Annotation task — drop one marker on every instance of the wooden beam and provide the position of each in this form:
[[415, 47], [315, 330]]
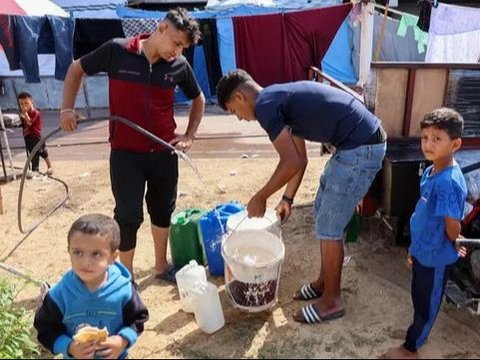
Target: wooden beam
[[409, 102]]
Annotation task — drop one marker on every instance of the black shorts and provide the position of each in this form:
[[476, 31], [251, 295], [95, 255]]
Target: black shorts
[[129, 173]]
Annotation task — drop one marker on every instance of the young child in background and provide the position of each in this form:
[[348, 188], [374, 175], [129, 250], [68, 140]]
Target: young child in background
[[435, 225], [96, 292], [32, 131]]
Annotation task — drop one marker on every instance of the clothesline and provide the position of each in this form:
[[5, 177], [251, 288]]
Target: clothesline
[[382, 7]]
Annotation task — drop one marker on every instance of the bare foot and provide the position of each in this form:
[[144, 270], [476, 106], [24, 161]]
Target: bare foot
[[399, 353]]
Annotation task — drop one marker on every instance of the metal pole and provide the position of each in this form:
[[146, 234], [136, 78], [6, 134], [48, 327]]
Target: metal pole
[[4, 133], [1, 202]]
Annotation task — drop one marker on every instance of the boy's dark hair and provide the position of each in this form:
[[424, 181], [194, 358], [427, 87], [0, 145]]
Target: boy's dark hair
[[444, 119], [181, 19], [97, 224], [24, 95], [228, 83]]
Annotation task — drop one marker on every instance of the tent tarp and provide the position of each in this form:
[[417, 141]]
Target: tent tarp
[[280, 4], [91, 9], [31, 8]]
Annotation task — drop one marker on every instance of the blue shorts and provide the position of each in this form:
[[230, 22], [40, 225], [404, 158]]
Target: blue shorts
[[345, 181]]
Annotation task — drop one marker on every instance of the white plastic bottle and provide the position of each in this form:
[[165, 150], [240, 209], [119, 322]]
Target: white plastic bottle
[[187, 277], [208, 309]]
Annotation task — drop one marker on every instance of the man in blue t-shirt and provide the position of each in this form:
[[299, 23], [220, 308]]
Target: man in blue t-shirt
[[435, 225], [306, 110]]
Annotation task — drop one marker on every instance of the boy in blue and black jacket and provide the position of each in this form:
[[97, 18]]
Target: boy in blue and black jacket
[[96, 292]]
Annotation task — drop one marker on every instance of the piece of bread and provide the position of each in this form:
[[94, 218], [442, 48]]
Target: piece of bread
[[90, 333]]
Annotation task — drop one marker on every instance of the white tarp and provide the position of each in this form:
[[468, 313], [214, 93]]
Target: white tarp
[[91, 9], [284, 4], [40, 8]]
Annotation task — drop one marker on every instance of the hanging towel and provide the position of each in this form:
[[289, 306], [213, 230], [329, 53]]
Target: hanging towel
[[420, 36], [29, 30], [454, 35]]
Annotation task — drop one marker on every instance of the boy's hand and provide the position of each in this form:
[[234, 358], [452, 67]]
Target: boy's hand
[[284, 209], [85, 350], [112, 348], [26, 118], [409, 261], [462, 251]]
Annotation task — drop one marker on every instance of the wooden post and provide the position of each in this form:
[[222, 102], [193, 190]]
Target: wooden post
[[366, 43]]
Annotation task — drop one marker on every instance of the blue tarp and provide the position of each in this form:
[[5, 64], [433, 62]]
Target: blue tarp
[[337, 62]]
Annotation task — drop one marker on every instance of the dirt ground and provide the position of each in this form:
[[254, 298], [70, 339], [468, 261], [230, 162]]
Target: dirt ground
[[375, 281]]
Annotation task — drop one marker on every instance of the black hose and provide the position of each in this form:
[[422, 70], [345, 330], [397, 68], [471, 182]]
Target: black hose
[[124, 121]]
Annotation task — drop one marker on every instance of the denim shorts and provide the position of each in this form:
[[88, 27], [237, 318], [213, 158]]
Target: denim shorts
[[345, 181]]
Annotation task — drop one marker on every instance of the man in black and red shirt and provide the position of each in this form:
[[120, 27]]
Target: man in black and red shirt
[[143, 73]]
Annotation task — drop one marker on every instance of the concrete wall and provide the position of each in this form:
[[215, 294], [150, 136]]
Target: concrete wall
[[48, 93]]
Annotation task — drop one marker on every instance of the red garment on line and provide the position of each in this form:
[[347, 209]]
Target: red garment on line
[[279, 48]]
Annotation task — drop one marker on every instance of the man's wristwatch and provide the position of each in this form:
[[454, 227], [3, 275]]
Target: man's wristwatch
[[287, 199]]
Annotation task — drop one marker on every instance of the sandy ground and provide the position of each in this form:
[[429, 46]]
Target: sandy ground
[[375, 282]]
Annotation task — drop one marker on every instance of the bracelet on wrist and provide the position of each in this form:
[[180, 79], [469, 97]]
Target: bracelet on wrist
[[287, 199], [67, 110]]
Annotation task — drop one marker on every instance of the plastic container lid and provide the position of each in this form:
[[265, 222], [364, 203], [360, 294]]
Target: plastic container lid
[[240, 221]]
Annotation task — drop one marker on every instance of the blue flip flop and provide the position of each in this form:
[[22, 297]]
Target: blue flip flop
[[168, 275]]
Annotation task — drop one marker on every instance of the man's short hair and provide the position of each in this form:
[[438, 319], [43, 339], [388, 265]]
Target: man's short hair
[[444, 119], [228, 83], [97, 224], [181, 19], [24, 95]]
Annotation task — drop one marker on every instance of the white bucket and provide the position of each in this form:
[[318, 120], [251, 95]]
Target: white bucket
[[253, 262], [240, 221]]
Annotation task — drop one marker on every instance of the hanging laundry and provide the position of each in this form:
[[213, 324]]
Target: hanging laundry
[[420, 36], [454, 35], [425, 12], [7, 41], [29, 32]]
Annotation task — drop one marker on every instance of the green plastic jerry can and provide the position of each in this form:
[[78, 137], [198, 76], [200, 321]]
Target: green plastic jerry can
[[185, 244]]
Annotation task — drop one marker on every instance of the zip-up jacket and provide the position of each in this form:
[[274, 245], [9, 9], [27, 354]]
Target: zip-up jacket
[[69, 306], [141, 92], [35, 129]]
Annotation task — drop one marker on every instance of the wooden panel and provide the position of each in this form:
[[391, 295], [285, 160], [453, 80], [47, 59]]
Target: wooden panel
[[390, 99], [428, 94]]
